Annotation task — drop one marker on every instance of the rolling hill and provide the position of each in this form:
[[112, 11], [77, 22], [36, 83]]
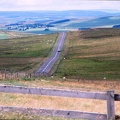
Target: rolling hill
[[108, 21]]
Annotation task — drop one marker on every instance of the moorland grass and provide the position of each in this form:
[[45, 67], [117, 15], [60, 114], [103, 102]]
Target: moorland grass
[[34, 46], [92, 54], [27, 52]]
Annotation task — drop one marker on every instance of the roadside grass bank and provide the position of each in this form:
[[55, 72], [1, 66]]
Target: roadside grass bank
[[92, 54]]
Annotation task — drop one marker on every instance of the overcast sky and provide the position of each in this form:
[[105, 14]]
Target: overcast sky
[[22, 5]]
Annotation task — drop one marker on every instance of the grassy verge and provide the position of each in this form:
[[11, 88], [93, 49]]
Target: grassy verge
[[93, 54]]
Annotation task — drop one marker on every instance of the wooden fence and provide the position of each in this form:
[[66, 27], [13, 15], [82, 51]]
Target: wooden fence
[[109, 96], [8, 74]]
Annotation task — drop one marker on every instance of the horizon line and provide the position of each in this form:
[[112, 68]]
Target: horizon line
[[61, 10]]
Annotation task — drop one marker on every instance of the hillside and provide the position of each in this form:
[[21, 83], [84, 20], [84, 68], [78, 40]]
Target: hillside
[[92, 54], [25, 53], [107, 21]]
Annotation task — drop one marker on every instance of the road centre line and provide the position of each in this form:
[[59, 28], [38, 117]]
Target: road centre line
[[55, 54]]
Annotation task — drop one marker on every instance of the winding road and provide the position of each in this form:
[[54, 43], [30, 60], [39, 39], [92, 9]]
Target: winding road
[[48, 64]]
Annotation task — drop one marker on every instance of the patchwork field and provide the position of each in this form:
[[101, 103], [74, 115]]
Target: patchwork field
[[92, 54]]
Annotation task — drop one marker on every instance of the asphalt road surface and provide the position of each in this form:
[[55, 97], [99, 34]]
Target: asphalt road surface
[[48, 64]]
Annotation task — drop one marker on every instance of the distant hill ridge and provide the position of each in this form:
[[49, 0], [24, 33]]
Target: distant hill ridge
[[98, 22]]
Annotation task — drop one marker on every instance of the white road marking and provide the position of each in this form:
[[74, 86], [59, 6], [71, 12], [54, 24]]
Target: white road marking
[[55, 54]]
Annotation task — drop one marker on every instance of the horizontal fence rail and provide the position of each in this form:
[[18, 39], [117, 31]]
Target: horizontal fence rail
[[53, 92], [56, 113], [109, 96]]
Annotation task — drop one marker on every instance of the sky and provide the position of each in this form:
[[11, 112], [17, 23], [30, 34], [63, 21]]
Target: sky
[[28, 5]]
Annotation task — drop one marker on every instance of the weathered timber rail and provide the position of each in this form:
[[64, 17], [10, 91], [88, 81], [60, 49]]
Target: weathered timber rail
[[109, 96]]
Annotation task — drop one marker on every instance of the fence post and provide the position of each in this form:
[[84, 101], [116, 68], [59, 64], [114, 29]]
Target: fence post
[[30, 75], [5, 73], [110, 105]]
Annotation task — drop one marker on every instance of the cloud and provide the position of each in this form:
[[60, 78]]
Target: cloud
[[21, 5]]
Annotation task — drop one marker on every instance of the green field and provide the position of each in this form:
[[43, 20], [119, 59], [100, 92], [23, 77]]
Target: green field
[[92, 54], [11, 34], [3, 36], [26, 52]]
